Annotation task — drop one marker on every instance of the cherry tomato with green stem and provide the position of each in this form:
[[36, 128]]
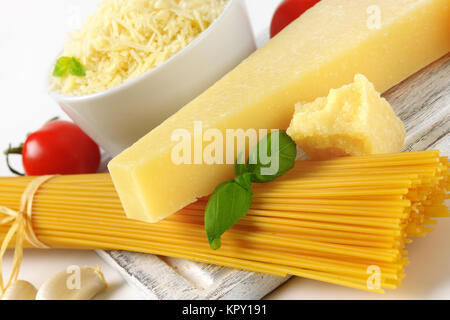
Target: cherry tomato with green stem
[[59, 147]]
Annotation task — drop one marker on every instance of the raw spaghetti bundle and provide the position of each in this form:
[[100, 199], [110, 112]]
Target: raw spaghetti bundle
[[328, 220]]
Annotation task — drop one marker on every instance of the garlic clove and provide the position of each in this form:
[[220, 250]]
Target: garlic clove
[[81, 283], [20, 290]]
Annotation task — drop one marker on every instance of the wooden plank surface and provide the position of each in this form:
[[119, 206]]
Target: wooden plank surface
[[421, 101]]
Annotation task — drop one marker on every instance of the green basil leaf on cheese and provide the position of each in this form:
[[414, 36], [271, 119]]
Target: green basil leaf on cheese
[[76, 68], [274, 155], [61, 67]]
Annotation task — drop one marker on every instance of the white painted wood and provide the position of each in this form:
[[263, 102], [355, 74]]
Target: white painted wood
[[422, 102], [171, 278]]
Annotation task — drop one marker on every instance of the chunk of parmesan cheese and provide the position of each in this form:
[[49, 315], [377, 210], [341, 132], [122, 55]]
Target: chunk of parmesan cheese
[[126, 38], [352, 120]]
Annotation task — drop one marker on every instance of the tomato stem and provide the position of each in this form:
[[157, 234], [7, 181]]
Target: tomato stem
[[53, 119], [13, 150]]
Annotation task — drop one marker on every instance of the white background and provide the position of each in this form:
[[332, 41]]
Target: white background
[[32, 33]]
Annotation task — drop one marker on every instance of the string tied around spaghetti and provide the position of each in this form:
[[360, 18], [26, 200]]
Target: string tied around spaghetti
[[22, 228]]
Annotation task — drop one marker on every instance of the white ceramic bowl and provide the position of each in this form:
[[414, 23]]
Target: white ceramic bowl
[[118, 117]]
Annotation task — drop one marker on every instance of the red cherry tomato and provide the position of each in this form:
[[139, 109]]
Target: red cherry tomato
[[60, 147], [288, 11]]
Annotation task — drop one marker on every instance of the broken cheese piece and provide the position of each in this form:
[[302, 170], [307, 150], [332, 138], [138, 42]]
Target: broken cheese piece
[[322, 49], [353, 120]]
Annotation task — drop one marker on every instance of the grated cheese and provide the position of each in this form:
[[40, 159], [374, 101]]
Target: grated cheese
[[126, 38]]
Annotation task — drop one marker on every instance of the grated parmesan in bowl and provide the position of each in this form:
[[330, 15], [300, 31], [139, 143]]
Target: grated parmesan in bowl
[[126, 38], [133, 83]]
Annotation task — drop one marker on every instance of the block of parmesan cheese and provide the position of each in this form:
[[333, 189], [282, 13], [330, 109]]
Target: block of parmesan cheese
[[353, 120], [385, 40]]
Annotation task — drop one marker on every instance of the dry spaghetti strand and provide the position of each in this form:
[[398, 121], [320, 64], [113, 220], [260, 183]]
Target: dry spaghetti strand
[[325, 220]]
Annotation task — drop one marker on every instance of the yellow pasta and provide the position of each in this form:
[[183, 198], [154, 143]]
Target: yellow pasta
[[327, 220]]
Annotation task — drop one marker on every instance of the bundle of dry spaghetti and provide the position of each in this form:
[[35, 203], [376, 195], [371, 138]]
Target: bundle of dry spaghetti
[[335, 220]]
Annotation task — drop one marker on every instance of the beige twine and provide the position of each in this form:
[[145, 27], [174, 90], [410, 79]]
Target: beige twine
[[22, 227]]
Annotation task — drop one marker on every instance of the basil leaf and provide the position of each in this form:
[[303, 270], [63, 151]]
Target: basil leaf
[[269, 160], [61, 67], [240, 167], [76, 68], [245, 181], [274, 155], [229, 202]]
